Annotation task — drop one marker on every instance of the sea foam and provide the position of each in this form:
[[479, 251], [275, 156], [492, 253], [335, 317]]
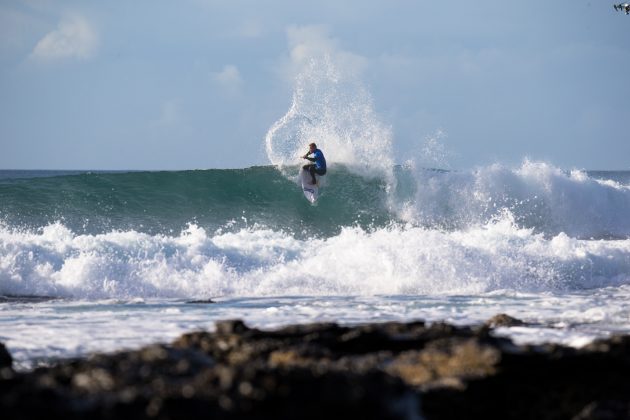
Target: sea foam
[[396, 260]]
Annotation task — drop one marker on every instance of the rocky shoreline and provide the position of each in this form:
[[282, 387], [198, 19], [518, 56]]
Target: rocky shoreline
[[381, 371]]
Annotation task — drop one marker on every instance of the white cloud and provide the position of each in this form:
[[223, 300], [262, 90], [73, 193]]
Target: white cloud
[[74, 37], [228, 76], [229, 79], [309, 41], [313, 42]]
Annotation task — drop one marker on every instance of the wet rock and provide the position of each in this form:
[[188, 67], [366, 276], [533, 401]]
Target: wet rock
[[25, 298], [6, 365], [618, 346], [386, 371], [503, 320], [201, 302], [233, 326], [605, 410], [446, 363], [6, 361]]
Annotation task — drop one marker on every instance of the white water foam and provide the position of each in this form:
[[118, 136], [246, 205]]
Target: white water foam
[[260, 262]]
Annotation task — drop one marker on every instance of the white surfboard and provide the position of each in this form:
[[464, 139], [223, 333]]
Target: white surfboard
[[311, 192]]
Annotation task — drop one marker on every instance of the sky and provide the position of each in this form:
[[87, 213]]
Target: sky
[[197, 84]]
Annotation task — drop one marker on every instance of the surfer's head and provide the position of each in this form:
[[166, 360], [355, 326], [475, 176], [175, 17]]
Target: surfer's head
[[312, 146]]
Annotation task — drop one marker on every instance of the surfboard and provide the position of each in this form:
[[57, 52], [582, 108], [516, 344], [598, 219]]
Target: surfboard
[[311, 192]]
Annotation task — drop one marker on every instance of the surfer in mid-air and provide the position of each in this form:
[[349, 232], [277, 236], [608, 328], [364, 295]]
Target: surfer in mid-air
[[319, 166], [625, 7]]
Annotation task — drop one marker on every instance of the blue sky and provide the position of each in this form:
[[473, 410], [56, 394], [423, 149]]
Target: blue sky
[[197, 83]]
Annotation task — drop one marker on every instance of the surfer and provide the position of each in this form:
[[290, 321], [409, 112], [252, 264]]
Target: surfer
[[319, 166]]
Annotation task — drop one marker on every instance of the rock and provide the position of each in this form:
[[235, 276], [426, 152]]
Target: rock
[[386, 370], [503, 320], [25, 298], [201, 302], [605, 410], [6, 361], [233, 326], [615, 345], [446, 363]]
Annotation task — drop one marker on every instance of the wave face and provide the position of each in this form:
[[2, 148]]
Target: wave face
[[536, 196], [166, 202], [250, 232]]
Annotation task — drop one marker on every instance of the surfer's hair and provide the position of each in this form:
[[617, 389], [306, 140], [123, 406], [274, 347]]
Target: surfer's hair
[[312, 145]]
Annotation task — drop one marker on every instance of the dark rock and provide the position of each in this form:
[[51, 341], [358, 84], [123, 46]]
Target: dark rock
[[446, 363], [605, 410], [201, 301], [388, 371], [6, 361], [25, 298], [503, 320], [233, 326], [616, 345]]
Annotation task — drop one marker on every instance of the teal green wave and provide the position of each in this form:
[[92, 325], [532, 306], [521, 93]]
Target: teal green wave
[[165, 202]]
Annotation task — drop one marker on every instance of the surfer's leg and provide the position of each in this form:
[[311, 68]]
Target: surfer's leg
[[319, 172], [312, 171]]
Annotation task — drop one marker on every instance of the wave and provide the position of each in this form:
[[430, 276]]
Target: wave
[[250, 232], [536, 195], [262, 262], [165, 202]]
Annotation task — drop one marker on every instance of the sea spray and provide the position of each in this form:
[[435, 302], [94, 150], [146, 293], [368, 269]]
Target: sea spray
[[538, 195], [334, 110]]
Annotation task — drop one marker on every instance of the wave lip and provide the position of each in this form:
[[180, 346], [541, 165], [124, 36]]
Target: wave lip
[[538, 195]]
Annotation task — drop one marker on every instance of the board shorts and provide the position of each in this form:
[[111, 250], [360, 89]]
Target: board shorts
[[313, 170]]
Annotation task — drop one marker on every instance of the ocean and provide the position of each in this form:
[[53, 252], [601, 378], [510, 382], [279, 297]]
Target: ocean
[[101, 261]]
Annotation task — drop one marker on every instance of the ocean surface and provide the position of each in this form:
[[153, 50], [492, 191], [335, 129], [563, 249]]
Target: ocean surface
[[101, 261]]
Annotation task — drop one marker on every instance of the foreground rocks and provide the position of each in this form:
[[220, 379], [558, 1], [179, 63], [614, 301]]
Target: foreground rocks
[[384, 371]]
